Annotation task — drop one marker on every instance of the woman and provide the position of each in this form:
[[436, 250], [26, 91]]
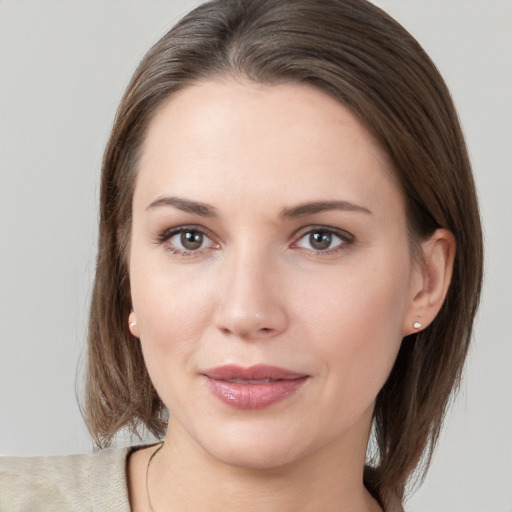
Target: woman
[[290, 253]]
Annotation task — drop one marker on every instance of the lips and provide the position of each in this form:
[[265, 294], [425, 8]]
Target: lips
[[255, 387]]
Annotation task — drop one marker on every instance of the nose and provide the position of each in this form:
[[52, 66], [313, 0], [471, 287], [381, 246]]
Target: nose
[[251, 304]]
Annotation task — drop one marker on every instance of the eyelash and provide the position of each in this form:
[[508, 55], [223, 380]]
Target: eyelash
[[169, 233], [346, 239]]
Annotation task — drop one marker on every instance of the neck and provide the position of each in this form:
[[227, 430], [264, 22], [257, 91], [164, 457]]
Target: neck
[[184, 477]]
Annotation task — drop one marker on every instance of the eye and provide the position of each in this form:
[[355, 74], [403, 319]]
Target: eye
[[187, 240], [325, 240]]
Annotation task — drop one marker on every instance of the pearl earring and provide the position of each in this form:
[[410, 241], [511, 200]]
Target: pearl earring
[[417, 325]]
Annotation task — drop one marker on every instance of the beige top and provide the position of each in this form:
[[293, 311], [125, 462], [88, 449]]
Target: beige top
[[72, 483]]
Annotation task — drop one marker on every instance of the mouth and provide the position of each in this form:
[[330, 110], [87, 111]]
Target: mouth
[[255, 387]]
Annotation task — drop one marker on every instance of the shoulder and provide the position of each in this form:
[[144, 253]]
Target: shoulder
[[94, 482]]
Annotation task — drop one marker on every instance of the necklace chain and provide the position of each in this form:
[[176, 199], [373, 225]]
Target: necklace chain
[[147, 475]]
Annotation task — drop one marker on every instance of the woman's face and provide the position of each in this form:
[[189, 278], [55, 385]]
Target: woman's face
[[270, 271]]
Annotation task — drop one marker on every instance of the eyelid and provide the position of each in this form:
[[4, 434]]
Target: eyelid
[[167, 234], [345, 236]]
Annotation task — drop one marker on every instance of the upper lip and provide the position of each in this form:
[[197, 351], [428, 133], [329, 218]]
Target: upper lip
[[259, 372]]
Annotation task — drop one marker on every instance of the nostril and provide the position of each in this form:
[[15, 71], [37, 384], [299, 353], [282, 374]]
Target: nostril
[[248, 319]]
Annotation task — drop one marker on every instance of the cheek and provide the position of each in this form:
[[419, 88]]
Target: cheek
[[171, 309], [358, 324], [170, 322], [169, 315]]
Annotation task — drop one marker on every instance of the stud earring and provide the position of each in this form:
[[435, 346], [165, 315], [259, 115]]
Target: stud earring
[[133, 324], [417, 325]]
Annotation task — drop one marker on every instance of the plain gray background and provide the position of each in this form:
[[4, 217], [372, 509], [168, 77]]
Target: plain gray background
[[63, 67]]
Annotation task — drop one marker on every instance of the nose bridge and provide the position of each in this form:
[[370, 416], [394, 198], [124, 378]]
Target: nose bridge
[[250, 303]]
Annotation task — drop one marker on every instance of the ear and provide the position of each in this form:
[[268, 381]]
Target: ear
[[431, 280], [132, 322]]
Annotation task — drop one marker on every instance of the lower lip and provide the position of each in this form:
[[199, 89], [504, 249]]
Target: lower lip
[[254, 396]]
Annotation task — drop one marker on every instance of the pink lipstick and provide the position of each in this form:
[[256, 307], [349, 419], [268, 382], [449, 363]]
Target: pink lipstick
[[255, 387]]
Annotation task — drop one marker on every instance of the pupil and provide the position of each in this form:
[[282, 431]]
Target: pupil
[[191, 240], [320, 240]]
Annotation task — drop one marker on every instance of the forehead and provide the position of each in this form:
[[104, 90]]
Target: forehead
[[240, 139]]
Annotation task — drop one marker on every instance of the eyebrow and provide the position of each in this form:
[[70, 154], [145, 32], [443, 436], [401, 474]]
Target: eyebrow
[[301, 210], [322, 206], [186, 205]]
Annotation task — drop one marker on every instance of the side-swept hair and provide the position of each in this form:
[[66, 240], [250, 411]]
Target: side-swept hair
[[354, 52]]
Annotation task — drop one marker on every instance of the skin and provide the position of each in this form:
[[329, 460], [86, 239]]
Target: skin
[[258, 290]]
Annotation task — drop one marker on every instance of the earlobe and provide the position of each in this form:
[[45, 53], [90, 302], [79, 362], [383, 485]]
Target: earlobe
[[435, 274], [132, 322]]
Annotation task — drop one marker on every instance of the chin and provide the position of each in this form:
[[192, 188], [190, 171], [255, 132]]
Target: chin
[[254, 457], [258, 447]]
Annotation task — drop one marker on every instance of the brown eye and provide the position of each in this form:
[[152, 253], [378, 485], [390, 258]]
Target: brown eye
[[324, 240], [191, 240], [320, 240], [187, 241]]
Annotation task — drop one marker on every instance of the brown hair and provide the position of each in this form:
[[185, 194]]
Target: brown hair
[[356, 53]]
